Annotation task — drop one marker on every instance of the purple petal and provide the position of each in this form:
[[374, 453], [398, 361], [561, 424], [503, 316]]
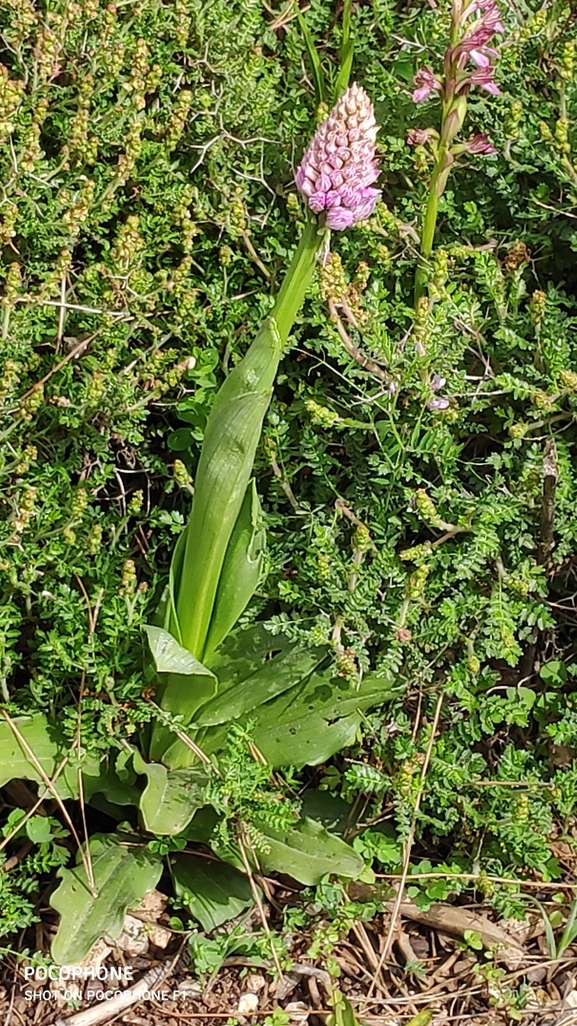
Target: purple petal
[[421, 94], [318, 202], [339, 218], [480, 59]]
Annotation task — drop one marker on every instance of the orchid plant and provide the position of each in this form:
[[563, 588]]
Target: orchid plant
[[216, 564], [468, 63], [212, 683]]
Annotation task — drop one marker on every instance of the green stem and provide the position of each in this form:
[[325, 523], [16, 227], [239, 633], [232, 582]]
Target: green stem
[[429, 225], [297, 280]]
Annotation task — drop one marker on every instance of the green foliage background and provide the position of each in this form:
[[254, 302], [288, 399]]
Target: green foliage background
[[146, 159]]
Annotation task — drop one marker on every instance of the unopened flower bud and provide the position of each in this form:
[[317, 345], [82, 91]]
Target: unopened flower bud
[[517, 255], [417, 137], [480, 143], [568, 379], [181, 475]]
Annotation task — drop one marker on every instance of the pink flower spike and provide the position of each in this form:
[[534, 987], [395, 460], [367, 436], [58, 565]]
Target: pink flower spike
[[426, 83], [339, 165], [480, 144]]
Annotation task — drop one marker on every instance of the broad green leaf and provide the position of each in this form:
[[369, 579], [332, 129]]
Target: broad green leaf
[[244, 652], [170, 656], [225, 468], [49, 749], [308, 723], [241, 569], [185, 684], [308, 852], [171, 797], [305, 739], [330, 810], [124, 872], [202, 825], [286, 670], [118, 786], [214, 892]]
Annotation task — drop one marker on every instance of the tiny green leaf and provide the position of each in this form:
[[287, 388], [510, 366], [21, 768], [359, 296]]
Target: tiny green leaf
[[38, 829], [554, 673]]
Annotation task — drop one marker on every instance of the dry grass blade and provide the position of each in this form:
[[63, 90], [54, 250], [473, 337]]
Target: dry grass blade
[[247, 866], [408, 847], [183, 737], [458, 921]]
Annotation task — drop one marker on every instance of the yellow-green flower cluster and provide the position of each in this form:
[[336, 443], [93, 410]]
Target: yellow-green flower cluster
[[80, 147], [10, 97], [177, 120], [568, 380], [321, 415], [129, 244], [77, 206], [48, 44], [537, 306]]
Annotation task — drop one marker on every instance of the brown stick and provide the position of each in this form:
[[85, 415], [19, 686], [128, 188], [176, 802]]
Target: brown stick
[[550, 478], [106, 1010], [364, 361]]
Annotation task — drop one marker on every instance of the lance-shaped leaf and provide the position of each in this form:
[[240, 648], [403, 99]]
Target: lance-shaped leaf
[[286, 670], [241, 570], [231, 437], [232, 434], [314, 58], [170, 621], [307, 723]]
